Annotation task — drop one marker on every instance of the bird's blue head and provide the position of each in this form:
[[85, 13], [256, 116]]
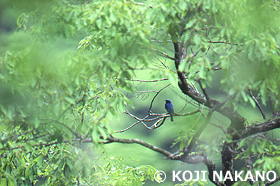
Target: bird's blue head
[[168, 101]]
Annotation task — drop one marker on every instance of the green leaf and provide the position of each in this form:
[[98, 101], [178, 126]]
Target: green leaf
[[39, 160], [99, 23], [263, 92], [182, 66], [197, 39], [172, 79], [70, 100], [190, 23], [95, 135]]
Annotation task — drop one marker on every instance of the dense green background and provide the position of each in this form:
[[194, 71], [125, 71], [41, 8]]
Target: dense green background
[[65, 75]]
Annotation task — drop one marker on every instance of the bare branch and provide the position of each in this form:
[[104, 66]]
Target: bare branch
[[146, 91], [149, 110], [237, 121], [218, 126], [224, 42], [211, 168], [257, 103], [163, 55], [275, 112], [258, 128], [123, 130], [64, 125], [272, 182], [192, 159], [148, 81], [203, 90], [157, 41], [207, 51], [142, 4], [13, 137], [188, 149], [159, 118], [137, 141]]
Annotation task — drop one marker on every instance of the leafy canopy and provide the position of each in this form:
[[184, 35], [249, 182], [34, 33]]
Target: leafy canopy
[[50, 97]]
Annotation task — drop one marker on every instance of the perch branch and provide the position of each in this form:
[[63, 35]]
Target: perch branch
[[149, 110], [137, 141]]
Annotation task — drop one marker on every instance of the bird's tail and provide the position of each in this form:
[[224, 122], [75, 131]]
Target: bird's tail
[[171, 116]]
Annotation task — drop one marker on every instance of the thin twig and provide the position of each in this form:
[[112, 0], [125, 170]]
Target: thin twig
[[123, 130], [146, 91], [137, 141], [142, 4], [149, 110], [157, 41], [65, 125], [188, 149], [203, 90], [218, 126], [147, 81], [163, 54], [257, 103], [224, 42]]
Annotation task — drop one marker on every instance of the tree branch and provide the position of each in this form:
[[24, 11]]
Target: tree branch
[[258, 128], [163, 55], [272, 182], [137, 141], [191, 159], [203, 90], [147, 81], [211, 168], [159, 118], [149, 110], [257, 103], [237, 121], [275, 112], [64, 125], [188, 150]]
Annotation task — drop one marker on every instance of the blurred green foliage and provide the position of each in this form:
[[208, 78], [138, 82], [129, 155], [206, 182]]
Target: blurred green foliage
[[64, 78]]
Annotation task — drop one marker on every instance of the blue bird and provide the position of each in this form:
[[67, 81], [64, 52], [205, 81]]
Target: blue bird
[[169, 108]]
